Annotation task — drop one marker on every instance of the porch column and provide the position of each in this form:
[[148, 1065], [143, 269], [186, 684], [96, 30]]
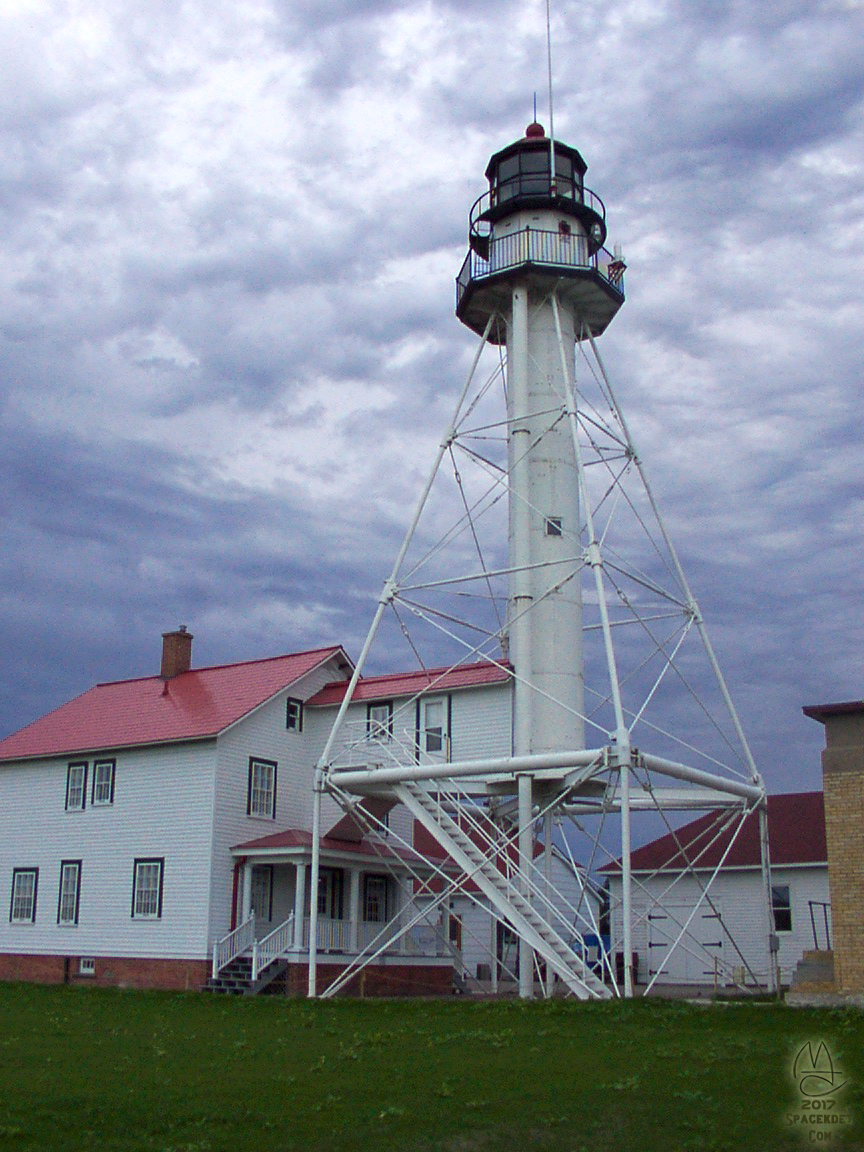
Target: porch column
[[396, 911], [246, 898], [299, 904], [354, 910]]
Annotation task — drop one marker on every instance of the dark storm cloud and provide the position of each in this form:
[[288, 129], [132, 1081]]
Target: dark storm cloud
[[227, 346]]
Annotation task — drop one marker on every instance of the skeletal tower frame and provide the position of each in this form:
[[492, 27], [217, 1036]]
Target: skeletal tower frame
[[588, 612]]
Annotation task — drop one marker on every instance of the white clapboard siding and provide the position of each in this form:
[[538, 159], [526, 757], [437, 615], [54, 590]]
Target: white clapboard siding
[[262, 734], [738, 895], [163, 805]]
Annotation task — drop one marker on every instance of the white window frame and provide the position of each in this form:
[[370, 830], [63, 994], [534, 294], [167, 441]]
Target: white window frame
[[147, 894], [102, 793], [433, 739], [261, 790], [87, 966], [294, 714], [76, 785], [25, 893], [379, 721], [69, 896]]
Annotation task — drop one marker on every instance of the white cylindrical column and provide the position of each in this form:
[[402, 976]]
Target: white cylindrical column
[[519, 442], [545, 596], [299, 904], [246, 896], [354, 909]]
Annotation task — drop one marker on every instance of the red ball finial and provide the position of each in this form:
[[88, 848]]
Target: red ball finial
[[535, 131]]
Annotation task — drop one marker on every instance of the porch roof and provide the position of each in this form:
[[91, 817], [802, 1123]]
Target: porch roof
[[298, 842]]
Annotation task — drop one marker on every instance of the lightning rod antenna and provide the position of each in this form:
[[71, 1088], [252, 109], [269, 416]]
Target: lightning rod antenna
[[551, 107]]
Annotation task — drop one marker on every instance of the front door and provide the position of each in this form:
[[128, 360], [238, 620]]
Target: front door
[[262, 893]]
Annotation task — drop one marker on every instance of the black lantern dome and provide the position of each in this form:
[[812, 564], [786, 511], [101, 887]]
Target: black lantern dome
[[521, 176]]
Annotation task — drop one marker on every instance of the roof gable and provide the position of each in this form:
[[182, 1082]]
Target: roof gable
[[796, 833], [195, 705]]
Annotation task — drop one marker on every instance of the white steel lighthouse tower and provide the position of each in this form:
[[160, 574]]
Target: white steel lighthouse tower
[[537, 550]]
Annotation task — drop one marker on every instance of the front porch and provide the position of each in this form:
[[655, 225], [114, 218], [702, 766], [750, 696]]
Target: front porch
[[364, 908]]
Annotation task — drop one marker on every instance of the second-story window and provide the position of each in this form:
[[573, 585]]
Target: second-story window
[[103, 782], [261, 795], [76, 786], [379, 721], [294, 714]]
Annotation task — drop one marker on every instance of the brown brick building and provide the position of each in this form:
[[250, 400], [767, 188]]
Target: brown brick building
[[843, 783]]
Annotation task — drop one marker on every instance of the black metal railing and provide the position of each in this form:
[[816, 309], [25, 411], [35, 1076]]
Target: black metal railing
[[533, 246], [530, 186], [814, 920]]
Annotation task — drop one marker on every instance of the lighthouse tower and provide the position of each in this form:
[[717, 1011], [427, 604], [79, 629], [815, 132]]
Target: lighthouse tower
[[538, 273], [609, 702]]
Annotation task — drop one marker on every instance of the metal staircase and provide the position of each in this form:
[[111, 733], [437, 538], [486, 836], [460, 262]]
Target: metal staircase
[[504, 894]]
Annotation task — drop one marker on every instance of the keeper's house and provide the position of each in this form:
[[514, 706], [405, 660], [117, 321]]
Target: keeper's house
[[148, 820]]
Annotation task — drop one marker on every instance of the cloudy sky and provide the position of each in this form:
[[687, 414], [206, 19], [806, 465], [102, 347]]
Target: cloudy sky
[[227, 341]]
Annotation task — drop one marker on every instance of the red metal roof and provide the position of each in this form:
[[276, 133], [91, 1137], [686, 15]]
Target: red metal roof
[[411, 683], [191, 706], [300, 838], [796, 833]]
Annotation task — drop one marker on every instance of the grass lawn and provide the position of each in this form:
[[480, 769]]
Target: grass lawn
[[136, 1071]]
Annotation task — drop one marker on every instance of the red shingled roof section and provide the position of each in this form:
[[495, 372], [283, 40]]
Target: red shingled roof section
[[410, 683], [191, 706], [796, 833]]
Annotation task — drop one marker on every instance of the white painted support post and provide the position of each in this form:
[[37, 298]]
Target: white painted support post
[[299, 905], [354, 910], [246, 896], [493, 950], [313, 885], [396, 913], [626, 881], [549, 891], [765, 859], [525, 842]]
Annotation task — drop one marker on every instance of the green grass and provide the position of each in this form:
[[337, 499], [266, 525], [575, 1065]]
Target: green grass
[[159, 1072]]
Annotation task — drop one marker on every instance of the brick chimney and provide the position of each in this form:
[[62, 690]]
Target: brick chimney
[[176, 652]]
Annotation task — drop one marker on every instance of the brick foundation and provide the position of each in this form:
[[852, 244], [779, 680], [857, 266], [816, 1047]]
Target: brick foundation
[[173, 975], [376, 980], [111, 971]]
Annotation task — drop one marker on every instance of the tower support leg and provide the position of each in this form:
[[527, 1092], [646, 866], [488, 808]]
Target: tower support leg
[[526, 863]]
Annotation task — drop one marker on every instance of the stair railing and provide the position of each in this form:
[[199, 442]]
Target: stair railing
[[272, 946], [825, 906], [235, 943]]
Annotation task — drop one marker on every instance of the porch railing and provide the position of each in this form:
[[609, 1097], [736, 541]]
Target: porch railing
[[272, 946], [234, 944], [348, 936]]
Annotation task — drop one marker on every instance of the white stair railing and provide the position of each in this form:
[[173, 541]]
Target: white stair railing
[[235, 943], [272, 946], [502, 892]]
